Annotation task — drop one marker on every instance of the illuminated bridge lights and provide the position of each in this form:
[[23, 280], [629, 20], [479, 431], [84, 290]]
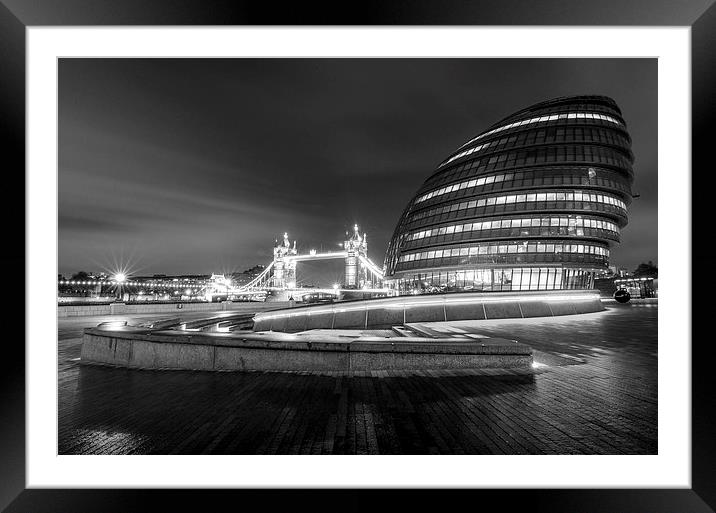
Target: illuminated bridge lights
[[108, 283], [280, 274]]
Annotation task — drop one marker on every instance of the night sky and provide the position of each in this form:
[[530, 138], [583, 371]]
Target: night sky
[[181, 166]]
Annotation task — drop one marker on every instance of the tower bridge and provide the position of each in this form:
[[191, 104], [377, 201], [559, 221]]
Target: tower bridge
[[280, 274]]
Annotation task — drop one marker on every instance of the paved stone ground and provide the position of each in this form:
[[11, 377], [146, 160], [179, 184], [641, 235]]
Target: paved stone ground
[[594, 392]]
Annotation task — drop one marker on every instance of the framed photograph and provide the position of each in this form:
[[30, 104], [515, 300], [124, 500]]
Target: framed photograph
[[418, 252]]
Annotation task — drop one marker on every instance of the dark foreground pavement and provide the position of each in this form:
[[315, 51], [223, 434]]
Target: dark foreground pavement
[[594, 392]]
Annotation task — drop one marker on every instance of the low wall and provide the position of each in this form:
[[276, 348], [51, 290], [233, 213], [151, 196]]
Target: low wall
[[143, 349], [82, 310], [141, 308], [394, 311]]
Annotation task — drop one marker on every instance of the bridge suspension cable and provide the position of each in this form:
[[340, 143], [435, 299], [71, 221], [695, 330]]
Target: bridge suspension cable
[[371, 267], [258, 279]]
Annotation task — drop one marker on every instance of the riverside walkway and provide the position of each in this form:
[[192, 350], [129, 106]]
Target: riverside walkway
[[593, 391]]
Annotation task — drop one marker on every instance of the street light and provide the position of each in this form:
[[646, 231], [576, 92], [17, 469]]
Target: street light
[[120, 277]]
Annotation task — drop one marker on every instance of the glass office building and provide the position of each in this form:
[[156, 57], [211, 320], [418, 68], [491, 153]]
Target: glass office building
[[532, 203]]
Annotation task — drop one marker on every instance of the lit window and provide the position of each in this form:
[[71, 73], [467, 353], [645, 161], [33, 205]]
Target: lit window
[[527, 122]]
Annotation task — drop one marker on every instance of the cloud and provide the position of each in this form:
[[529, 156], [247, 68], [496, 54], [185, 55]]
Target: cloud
[[193, 162]]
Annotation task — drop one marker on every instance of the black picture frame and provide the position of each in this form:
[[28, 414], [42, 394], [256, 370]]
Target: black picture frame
[[17, 15]]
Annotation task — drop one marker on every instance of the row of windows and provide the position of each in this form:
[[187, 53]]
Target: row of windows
[[562, 221], [516, 208], [542, 155], [472, 168], [505, 279], [542, 109], [524, 198], [583, 259], [540, 119], [475, 182], [537, 178], [551, 135], [562, 134], [564, 153], [505, 248], [533, 232], [552, 176]]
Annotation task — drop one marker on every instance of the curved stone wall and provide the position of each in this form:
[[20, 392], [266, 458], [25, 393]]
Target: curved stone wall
[[165, 350], [395, 311]]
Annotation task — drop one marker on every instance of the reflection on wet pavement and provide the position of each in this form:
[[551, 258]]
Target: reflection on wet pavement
[[593, 391]]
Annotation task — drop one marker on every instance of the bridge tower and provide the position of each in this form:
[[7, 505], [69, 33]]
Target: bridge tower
[[284, 267], [355, 246]]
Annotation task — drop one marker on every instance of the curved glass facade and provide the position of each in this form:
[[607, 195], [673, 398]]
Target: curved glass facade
[[532, 203]]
